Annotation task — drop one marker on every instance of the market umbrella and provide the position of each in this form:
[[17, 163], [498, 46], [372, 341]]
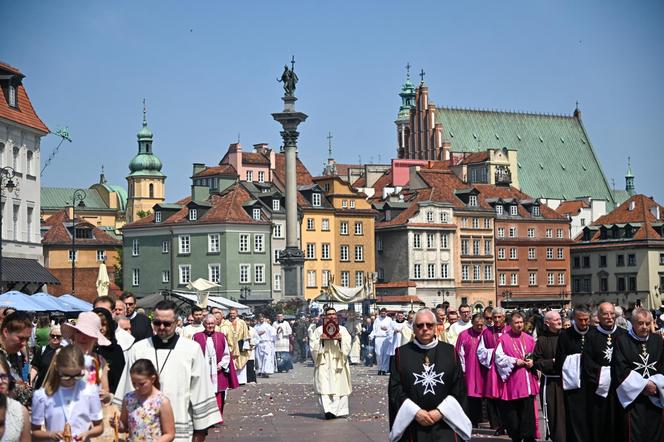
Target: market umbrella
[[77, 304], [21, 301], [53, 303], [102, 280]]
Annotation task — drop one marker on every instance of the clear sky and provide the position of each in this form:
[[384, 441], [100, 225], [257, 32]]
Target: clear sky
[[208, 71]]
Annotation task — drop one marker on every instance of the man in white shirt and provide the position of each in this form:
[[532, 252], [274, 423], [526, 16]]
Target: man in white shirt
[[282, 344], [382, 340], [265, 347], [462, 324], [196, 325]]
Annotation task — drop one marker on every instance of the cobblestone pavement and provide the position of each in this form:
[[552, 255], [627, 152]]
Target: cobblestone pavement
[[284, 408]]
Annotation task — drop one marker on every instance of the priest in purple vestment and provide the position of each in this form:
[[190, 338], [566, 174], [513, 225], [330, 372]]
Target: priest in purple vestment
[[474, 372], [218, 360], [514, 363]]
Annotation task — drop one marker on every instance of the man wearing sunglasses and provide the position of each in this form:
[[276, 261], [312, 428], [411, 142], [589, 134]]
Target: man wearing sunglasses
[[427, 392], [43, 356]]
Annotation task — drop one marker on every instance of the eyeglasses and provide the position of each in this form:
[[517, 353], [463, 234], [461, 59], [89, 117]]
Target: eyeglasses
[[158, 323], [56, 336], [66, 377], [4, 377], [487, 318], [422, 325]]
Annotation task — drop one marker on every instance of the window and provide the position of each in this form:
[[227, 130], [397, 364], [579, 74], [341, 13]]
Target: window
[[256, 214], [166, 276], [359, 230], [586, 262], [261, 176], [501, 253], [417, 271], [603, 284], [325, 278], [487, 223], [359, 277], [431, 241], [359, 253], [185, 273], [277, 230], [472, 200], [325, 251], [531, 232], [276, 205], [259, 243], [135, 277], [431, 271], [213, 243], [501, 232], [559, 233], [157, 217], [11, 95], [561, 253], [620, 260], [445, 241], [184, 244], [325, 225], [488, 273], [101, 255], [244, 273], [576, 262], [488, 250], [244, 243], [165, 246], [464, 222], [275, 256], [352, 204], [514, 210], [315, 199], [499, 210], [344, 204], [512, 232], [444, 271], [464, 273], [311, 251], [502, 279], [311, 225], [583, 221], [464, 247], [250, 175], [513, 253], [276, 282], [443, 217], [621, 284], [343, 252], [429, 217], [259, 273], [311, 278], [536, 211], [477, 272], [476, 247], [417, 241], [345, 279], [379, 244], [561, 279], [531, 253], [631, 259], [632, 283], [514, 279], [17, 152], [661, 259], [214, 273], [550, 279], [73, 255], [343, 228], [193, 214], [549, 253], [549, 233], [476, 223], [135, 248]]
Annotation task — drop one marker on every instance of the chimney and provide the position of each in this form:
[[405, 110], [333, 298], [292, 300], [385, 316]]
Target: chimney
[[262, 148], [198, 167], [447, 147]]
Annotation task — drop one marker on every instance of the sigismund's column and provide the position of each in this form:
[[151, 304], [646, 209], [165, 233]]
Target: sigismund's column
[[292, 258]]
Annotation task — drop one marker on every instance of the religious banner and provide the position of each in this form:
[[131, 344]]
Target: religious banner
[[330, 329]]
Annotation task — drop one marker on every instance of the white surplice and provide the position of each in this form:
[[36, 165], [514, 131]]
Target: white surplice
[[332, 371], [265, 353]]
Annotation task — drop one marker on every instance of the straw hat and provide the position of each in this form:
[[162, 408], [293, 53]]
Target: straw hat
[[89, 324]]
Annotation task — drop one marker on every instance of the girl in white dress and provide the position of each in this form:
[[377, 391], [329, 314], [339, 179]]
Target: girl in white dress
[[14, 420]]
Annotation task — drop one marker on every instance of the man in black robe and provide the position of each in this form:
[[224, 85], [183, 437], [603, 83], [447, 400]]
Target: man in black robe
[[638, 368], [568, 362], [551, 387], [427, 393], [604, 412]]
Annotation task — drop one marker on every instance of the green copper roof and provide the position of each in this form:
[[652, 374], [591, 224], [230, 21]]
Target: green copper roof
[[555, 157], [54, 198], [145, 163]]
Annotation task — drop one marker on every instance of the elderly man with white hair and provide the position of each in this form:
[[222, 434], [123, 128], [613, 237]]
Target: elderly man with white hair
[[427, 392], [638, 370]]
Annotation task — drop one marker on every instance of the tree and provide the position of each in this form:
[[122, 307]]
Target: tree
[[143, 213], [117, 270]]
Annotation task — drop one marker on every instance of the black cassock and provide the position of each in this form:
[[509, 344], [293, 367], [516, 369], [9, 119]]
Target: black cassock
[[426, 386], [633, 363], [605, 414], [572, 342]]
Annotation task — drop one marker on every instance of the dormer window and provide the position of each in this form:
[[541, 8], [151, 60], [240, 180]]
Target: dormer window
[[429, 217], [499, 209], [193, 214], [157, 216], [261, 176], [472, 201], [250, 175], [276, 205], [11, 95], [257, 214], [514, 211], [344, 204], [536, 211], [315, 199], [352, 204]]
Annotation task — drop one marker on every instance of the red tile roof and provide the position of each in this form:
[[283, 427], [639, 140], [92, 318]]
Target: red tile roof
[[505, 192], [222, 169], [385, 180], [24, 114], [304, 178], [59, 234], [360, 182], [56, 218], [641, 212], [572, 207], [342, 169], [255, 158], [474, 157], [392, 284]]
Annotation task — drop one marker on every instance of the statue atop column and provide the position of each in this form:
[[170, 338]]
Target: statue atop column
[[289, 79]]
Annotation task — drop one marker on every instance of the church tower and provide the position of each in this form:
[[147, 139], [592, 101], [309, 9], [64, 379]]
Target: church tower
[[145, 180], [629, 179], [407, 95]]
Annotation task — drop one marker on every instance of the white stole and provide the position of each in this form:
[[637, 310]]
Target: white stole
[[211, 356]]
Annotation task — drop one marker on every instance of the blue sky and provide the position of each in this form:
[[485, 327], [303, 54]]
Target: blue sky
[[208, 71]]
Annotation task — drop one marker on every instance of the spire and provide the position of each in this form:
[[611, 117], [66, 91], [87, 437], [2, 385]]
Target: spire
[[629, 178], [145, 162], [422, 74], [329, 145], [331, 166], [577, 111], [145, 134], [102, 177], [407, 95], [145, 114]]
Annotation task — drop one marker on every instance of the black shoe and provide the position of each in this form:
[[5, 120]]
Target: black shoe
[[329, 416]]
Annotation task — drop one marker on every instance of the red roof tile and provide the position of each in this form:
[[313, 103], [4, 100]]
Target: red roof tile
[[255, 158], [24, 113], [505, 192], [474, 157], [625, 213], [360, 182], [223, 169], [572, 207], [59, 234], [56, 218]]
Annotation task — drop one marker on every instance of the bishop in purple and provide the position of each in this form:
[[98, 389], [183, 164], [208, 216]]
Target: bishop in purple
[[474, 372]]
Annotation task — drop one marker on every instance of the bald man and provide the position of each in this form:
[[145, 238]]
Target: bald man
[[605, 413], [551, 387]]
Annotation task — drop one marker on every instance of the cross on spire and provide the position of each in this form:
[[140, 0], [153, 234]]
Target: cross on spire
[[408, 66], [329, 144], [422, 74], [145, 113], [292, 62]]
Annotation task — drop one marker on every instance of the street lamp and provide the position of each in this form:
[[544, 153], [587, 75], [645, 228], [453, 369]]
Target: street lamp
[[79, 195], [6, 182], [507, 295]]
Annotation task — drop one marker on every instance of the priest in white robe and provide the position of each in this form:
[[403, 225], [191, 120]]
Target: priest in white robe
[[265, 350], [382, 341], [183, 375], [331, 369], [401, 333]]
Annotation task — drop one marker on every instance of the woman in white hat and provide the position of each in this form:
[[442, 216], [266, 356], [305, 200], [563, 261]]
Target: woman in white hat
[[86, 335]]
